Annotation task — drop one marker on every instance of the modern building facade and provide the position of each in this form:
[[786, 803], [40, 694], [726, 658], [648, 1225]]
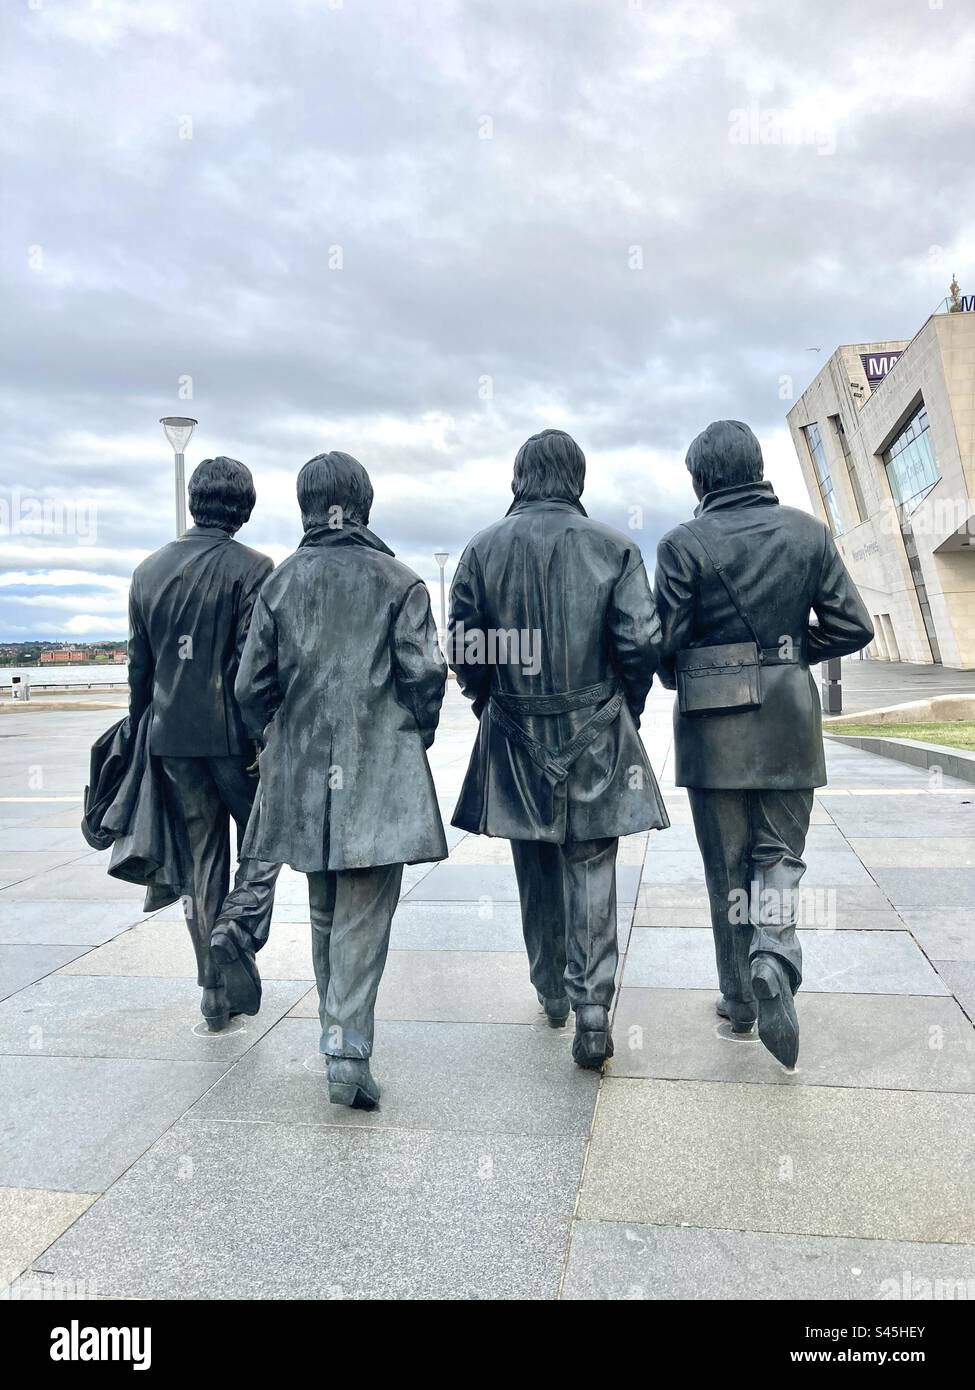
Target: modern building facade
[[885, 436]]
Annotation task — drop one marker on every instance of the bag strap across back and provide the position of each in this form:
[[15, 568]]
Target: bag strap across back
[[732, 592]]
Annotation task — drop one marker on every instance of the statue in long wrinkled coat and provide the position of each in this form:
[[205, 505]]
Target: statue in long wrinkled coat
[[552, 632], [735, 590], [342, 680]]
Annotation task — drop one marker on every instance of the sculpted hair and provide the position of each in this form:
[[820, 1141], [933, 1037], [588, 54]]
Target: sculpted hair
[[549, 465], [334, 489], [726, 454], [221, 494]]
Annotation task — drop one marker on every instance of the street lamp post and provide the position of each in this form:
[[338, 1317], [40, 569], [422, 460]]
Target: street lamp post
[[441, 557], [178, 429]]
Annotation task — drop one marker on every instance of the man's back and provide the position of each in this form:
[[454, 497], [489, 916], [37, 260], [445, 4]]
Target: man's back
[[551, 573], [343, 678], [550, 603], [784, 565], [334, 604], [190, 604]]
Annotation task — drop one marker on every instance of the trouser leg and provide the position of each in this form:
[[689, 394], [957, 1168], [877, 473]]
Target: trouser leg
[[592, 946], [538, 869], [721, 824], [321, 908], [202, 830], [247, 911], [779, 824], [352, 913]]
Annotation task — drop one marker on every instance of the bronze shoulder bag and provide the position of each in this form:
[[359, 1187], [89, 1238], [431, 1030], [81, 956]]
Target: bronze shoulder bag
[[724, 679]]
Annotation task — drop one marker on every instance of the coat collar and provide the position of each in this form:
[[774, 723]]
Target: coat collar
[[744, 495], [205, 533], [559, 504], [351, 534]]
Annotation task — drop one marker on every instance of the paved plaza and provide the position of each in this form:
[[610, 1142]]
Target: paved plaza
[[145, 1158]]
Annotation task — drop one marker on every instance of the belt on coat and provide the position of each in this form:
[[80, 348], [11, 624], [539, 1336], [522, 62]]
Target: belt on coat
[[556, 762]]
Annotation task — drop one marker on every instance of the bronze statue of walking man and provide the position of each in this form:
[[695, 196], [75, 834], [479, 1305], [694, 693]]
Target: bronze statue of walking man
[[734, 590], [342, 681], [552, 634]]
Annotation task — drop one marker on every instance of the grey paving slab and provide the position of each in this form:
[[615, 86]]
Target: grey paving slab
[[959, 976], [481, 849], [161, 946], [943, 933], [918, 852], [457, 926], [685, 897], [882, 1041], [627, 1261], [849, 962], [909, 887], [85, 880], [16, 866], [672, 916], [74, 1124], [414, 874], [95, 1016], [45, 1288], [816, 1160], [473, 882], [451, 987], [21, 965], [51, 923], [64, 819], [34, 838], [463, 926], [347, 1214], [899, 817], [488, 1078], [30, 1219]]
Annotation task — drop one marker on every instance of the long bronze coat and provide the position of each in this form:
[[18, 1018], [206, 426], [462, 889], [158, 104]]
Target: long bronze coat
[[343, 679], [785, 566], [576, 594]]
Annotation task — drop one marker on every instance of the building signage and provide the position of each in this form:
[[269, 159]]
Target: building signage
[[876, 365]]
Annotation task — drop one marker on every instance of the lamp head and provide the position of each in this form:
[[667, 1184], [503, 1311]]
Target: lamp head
[[178, 429]]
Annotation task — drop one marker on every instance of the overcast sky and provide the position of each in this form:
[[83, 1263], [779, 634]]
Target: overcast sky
[[415, 232]]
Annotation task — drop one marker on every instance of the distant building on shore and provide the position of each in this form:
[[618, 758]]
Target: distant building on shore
[[885, 436], [64, 656], [83, 656]]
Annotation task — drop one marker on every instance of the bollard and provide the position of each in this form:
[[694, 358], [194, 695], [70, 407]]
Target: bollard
[[833, 686]]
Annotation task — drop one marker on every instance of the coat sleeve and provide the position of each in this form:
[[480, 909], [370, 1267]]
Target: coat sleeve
[[256, 689], [634, 634], [141, 664], [250, 588], [467, 616], [419, 669], [673, 590], [844, 624]]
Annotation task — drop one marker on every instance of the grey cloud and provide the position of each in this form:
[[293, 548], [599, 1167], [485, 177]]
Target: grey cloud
[[463, 258]]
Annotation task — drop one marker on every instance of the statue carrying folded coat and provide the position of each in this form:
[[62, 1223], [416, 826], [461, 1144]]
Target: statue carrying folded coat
[[167, 781]]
